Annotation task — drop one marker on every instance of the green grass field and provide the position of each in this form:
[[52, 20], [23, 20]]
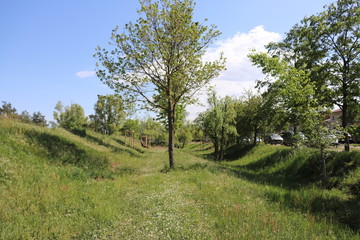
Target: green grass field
[[56, 185]]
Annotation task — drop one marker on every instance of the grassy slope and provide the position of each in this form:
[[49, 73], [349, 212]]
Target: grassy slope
[[50, 189]]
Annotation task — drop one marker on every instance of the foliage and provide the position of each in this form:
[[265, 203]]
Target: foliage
[[131, 125], [184, 135], [292, 92], [153, 129], [7, 110], [109, 114], [158, 59], [326, 45], [39, 119], [252, 117], [70, 117], [219, 123], [25, 117], [354, 130]]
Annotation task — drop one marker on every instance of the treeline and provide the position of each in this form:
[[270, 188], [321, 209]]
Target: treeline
[[8, 111], [251, 118], [111, 116], [312, 71]]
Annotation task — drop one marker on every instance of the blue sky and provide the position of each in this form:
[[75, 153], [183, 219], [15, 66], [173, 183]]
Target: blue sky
[[47, 46]]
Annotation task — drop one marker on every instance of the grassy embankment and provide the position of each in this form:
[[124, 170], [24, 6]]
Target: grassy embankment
[[56, 185]]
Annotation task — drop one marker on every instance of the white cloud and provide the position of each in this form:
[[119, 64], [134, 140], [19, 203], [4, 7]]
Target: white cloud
[[85, 74], [240, 74]]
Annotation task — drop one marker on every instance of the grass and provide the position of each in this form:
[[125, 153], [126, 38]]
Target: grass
[[54, 192]]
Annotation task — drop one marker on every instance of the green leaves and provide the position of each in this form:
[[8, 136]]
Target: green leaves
[[70, 117], [109, 114], [161, 52], [291, 87], [158, 59]]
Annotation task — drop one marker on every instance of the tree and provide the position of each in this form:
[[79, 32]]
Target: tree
[[131, 125], [39, 119], [251, 116], [25, 117], [328, 46], [154, 130], [70, 117], [7, 110], [219, 123], [184, 135], [109, 114], [158, 59], [292, 91]]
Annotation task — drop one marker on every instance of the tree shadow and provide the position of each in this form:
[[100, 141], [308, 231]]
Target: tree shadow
[[238, 151], [289, 182], [344, 211], [113, 148], [60, 150], [195, 166]]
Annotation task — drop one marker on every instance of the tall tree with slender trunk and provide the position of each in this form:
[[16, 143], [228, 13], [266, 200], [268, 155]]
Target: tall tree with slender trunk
[[158, 60]]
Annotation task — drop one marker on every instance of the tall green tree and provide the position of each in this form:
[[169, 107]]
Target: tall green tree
[[291, 89], [251, 116], [109, 114], [70, 117], [219, 123], [328, 46], [158, 59]]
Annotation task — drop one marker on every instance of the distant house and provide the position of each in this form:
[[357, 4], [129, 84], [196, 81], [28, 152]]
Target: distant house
[[333, 120]]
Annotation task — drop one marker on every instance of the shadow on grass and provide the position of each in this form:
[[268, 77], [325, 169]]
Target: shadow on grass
[[60, 150], [125, 145], [292, 180], [238, 151], [112, 147], [204, 149], [195, 166], [343, 211]]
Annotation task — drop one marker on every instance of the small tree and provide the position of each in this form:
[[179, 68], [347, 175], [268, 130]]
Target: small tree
[[184, 135], [39, 119], [251, 116], [109, 114], [7, 110], [70, 117], [25, 117], [158, 59], [219, 123]]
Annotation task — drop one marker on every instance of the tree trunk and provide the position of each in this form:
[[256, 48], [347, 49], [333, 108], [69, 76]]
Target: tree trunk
[[171, 121], [344, 109], [255, 135], [216, 148], [222, 143], [344, 125], [323, 158]]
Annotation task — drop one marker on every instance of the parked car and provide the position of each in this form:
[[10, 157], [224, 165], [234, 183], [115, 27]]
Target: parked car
[[274, 139], [332, 139], [341, 137]]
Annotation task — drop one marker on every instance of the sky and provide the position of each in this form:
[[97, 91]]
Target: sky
[[47, 47]]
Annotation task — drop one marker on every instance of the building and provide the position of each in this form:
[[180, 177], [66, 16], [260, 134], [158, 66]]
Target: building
[[333, 120]]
